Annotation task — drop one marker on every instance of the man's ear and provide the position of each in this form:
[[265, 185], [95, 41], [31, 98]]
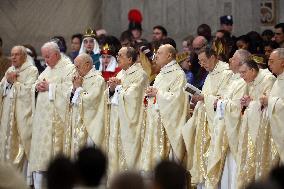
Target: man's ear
[[170, 55], [282, 63]]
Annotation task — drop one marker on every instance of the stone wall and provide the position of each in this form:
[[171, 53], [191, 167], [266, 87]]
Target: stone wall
[[35, 21], [182, 17]]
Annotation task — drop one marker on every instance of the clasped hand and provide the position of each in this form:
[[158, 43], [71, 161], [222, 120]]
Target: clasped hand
[[113, 82], [11, 77], [42, 86], [151, 91]]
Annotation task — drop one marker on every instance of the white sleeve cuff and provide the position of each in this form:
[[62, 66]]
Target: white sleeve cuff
[[6, 88], [220, 111], [115, 97], [75, 99], [51, 91]]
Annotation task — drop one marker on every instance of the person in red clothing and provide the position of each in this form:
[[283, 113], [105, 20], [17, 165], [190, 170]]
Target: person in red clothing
[[108, 63]]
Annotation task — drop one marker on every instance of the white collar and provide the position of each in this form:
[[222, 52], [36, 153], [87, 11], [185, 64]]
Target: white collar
[[112, 65], [96, 49]]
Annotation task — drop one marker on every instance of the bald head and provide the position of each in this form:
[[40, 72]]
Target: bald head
[[171, 50], [165, 54], [85, 58], [199, 42], [243, 55], [280, 52], [83, 64], [18, 56], [276, 61]]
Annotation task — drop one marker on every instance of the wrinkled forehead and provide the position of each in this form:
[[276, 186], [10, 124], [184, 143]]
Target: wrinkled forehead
[[123, 50], [162, 49], [16, 50], [236, 55], [274, 55], [47, 51]]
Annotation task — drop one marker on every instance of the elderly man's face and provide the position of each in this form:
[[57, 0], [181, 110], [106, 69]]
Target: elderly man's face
[[162, 56], [247, 73], [51, 57], [17, 57], [198, 44], [207, 63], [123, 61], [275, 63], [234, 62], [89, 44], [82, 67]]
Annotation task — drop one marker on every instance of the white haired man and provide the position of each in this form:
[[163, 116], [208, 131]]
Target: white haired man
[[16, 109], [50, 110]]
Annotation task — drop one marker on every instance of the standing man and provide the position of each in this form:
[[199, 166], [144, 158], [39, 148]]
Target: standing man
[[226, 22], [52, 88], [135, 19], [198, 129], [16, 109], [223, 149], [87, 107], [166, 109], [125, 94], [254, 122], [275, 101]]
